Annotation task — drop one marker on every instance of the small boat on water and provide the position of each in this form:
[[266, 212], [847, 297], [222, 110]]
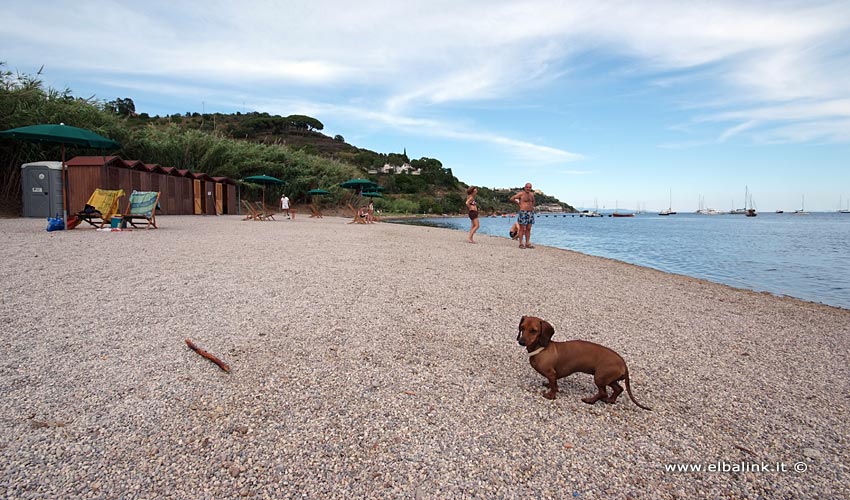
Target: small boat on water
[[802, 210], [702, 210], [669, 210], [750, 206], [617, 212], [749, 209]]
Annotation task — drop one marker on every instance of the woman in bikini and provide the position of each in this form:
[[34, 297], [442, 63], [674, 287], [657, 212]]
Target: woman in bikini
[[473, 212]]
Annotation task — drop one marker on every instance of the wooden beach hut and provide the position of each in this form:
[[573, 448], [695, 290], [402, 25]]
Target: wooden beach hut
[[182, 192], [203, 194], [225, 195], [87, 173]]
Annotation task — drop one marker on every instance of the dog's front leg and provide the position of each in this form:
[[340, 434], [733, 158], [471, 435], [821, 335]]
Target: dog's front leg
[[552, 384]]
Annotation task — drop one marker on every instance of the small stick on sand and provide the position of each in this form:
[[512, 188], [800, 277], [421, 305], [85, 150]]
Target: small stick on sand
[[221, 364]]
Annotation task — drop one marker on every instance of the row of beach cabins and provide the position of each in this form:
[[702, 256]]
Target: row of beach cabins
[[182, 192]]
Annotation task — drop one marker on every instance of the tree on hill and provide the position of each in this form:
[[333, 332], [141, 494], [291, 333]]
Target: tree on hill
[[304, 122], [122, 107]]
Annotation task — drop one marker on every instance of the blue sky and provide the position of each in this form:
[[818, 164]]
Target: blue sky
[[593, 102]]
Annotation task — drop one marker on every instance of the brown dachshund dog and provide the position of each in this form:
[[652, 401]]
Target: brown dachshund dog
[[555, 360]]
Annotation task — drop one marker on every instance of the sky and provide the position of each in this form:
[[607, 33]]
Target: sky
[[599, 103]]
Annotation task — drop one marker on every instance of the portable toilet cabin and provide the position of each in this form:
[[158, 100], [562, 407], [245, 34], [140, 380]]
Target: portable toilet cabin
[[41, 183]]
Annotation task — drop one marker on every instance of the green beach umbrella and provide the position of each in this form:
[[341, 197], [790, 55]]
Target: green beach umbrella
[[372, 194], [358, 184], [262, 180], [318, 192], [61, 134]]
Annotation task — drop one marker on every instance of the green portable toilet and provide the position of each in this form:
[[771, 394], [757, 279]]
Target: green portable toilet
[[41, 183]]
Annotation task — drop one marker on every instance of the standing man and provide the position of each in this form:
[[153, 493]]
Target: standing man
[[284, 204], [525, 217]]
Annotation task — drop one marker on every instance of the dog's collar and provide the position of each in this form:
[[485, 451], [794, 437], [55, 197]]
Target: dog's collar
[[536, 352]]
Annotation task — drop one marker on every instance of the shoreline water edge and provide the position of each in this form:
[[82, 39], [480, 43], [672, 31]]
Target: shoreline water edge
[[381, 361], [785, 255]]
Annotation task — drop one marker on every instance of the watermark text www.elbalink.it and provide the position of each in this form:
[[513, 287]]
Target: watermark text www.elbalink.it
[[722, 466]]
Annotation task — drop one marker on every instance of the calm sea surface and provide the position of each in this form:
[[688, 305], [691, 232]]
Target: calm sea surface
[[803, 256]]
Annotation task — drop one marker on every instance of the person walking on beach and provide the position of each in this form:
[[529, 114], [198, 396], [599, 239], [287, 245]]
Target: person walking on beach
[[525, 216], [473, 212], [284, 204]]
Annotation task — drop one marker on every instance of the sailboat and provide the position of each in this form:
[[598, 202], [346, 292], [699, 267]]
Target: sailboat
[[594, 212], [706, 211], [843, 210], [802, 210], [741, 211], [669, 210], [617, 213], [750, 207]]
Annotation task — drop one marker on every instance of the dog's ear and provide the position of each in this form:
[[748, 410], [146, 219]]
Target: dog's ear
[[546, 332], [519, 328]]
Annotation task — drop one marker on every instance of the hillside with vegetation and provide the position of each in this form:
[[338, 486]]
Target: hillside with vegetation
[[291, 148]]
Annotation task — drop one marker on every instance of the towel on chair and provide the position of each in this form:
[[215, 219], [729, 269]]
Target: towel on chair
[[142, 203]]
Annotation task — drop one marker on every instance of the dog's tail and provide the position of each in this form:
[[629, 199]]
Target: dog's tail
[[629, 390]]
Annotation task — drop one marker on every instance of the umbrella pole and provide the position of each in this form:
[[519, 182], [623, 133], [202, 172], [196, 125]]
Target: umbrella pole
[[64, 189]]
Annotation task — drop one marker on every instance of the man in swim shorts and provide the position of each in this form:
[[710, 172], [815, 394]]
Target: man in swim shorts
[[525, 216]]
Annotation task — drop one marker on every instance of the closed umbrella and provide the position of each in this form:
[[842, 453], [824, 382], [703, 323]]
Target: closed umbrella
[[61, 134]]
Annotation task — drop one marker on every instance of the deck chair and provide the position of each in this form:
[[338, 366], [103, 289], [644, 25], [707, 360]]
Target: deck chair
[[141, 206], [252, 211], [315, 212], [358, 218], [100, 208], [264, 212]]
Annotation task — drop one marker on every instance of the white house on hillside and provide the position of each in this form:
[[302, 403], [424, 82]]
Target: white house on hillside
[[405, 168]]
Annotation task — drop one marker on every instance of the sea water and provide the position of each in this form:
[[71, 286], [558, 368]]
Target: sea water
[[802, 256]]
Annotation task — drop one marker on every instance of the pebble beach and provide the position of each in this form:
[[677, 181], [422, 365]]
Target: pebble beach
[[380, 361]]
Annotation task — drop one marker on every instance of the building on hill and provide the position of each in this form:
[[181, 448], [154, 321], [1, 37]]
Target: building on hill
[[404, 168]]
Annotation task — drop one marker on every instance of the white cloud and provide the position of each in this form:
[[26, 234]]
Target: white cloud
[[768, 65]]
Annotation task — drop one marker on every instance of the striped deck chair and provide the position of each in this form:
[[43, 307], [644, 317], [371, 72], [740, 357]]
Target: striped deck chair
[[141, 206], [100, 208]]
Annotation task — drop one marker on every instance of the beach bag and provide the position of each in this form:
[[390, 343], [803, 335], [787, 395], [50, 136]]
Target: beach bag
[[55, 223]]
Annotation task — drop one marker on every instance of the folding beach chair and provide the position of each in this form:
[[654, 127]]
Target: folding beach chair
[[141, 206], [315, 212], [358, 217], [252, 211], [100, 208], [264, 212]]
